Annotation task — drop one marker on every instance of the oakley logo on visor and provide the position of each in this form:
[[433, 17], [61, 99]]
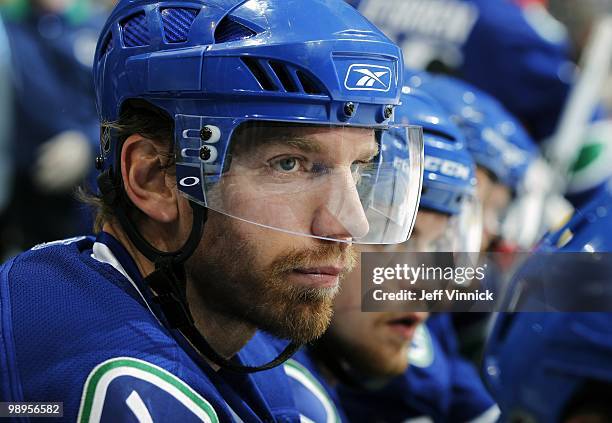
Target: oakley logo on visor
[[368, 78]]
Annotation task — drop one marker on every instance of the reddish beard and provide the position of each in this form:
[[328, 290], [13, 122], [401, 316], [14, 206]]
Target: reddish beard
[[229, 280]]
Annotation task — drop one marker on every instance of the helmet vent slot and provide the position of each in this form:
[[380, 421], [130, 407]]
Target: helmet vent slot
[[231, 30], [135, 31], [177, 22], [284, 76], [308, 84], [260, 74]]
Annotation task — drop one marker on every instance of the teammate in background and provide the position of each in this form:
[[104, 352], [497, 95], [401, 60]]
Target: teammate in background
[[358, 371], [6, 162], [55, 124], [527, 52], [241, 155], [563, 372], [503, 151]]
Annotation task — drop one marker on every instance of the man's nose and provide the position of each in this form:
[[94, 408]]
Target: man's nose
[[340, 214]]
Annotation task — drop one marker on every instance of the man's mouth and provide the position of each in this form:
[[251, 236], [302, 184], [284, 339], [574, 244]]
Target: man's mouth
[[405, 325], [320, 277]]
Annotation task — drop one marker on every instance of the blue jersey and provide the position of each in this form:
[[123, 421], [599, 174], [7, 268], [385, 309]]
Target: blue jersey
[[314, 398], [520, 56], [438, 386], [77, 327]]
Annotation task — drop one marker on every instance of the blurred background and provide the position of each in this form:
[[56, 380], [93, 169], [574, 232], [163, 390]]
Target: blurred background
[[48, 123], [547, 62]]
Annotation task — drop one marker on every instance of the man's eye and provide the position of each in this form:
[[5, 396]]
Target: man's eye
[[286, 164]]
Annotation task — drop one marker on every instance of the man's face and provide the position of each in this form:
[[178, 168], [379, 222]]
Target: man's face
[[273, 279], [495, 199], [375, 345], [429, 228]]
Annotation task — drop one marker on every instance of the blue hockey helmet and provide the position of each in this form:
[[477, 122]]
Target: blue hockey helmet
[[559, 353], [449, 175], [496, 140], [538, 363], [236, 76]]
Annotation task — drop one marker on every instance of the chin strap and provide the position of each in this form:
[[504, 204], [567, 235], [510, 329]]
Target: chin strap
[[168, 280]]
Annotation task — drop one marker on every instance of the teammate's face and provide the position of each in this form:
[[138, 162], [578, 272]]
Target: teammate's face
[[375, 345], [495, 199], [428, 229], [277, 281]]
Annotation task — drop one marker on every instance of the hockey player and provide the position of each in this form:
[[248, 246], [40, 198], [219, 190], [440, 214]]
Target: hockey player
[[359, 369], [241, 155], [503, 151], [554, 366]]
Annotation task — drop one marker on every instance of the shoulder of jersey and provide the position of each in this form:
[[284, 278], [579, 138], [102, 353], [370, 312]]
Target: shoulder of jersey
[[315, 400], [76, 332]]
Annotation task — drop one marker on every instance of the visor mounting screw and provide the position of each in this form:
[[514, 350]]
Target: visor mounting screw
[[204, 153], [99, 162], [388, 111], [349, 108], [205, 133]]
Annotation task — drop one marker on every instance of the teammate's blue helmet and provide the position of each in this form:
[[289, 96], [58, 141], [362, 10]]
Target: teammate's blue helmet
[[540, 362], [536, 364], [494, 137], [449, 172], [236, 72]]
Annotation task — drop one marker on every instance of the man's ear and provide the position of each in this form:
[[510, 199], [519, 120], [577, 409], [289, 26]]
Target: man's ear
[[145, 181]]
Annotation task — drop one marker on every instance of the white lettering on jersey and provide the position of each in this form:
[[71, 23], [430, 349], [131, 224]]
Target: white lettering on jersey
[[447, 20], [426, 30]]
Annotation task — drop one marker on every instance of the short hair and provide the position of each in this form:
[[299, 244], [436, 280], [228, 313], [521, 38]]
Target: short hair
[[137, 116]]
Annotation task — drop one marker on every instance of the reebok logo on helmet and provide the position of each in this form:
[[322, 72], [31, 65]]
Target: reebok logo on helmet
[[363, 77]]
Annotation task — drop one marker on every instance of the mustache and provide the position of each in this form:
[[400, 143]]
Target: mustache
[[323, 254]]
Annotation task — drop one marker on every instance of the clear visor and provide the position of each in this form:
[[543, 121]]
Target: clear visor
[[495, 209], [338, 183], [464, 233], [439, 232]]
